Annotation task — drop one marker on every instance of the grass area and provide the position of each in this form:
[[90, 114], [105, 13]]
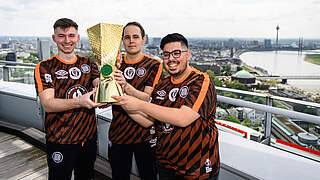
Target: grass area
[[313, 58], [246, 68]]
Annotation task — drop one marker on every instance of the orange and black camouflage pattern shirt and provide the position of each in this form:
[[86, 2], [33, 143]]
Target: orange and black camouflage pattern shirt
[[190, 151], [69, 80], [146, 71]]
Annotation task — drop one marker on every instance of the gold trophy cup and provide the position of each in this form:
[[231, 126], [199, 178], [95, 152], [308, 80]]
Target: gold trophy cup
[[105, 40]]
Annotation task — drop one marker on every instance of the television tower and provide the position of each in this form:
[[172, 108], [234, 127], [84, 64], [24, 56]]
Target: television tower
[[277, 42]]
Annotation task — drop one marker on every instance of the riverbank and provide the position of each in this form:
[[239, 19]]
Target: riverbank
[[313, 58]]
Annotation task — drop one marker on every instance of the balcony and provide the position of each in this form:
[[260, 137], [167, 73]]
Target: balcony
[[270, 140]]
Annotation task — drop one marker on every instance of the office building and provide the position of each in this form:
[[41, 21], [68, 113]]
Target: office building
[[44, 49]]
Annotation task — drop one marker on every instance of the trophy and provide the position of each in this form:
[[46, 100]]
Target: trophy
[[105, 40]]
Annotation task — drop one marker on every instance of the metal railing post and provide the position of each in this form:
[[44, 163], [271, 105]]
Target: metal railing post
[[267, 123], [5, 73]]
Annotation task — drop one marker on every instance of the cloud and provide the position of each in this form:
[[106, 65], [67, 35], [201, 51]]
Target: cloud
[[195, 18]]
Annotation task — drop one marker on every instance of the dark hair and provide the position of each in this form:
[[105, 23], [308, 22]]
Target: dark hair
[[64, 23], [143, 34], [174, 37]]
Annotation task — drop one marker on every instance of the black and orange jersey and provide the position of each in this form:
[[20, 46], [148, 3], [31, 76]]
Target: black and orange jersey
[[191, 151], [141, 73], [69, 80]]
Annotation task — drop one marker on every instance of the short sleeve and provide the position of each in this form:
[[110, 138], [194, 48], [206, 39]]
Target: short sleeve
[[43, 77], [201, 95]]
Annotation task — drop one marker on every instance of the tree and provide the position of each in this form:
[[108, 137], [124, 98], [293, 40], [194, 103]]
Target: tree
[[317, 99], [210, 73], [246, 122], [256, 124], [215, 80], [227, 69], [233, 119], [236, 85], [273, 83]]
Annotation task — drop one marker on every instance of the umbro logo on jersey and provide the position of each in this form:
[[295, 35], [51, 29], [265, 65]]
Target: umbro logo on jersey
[[129, 72], [61, 74], [85, 68], [153, 142], [75, 73], [161, 94], [173, 94], [141, 71], [57, 157]]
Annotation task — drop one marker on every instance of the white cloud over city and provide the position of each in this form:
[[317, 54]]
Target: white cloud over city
[[193, 18]]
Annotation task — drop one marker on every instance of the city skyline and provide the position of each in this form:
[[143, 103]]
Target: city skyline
[[201, 18]]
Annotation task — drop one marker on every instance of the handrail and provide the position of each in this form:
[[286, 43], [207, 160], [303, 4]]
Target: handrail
[[274, 110], [241, 92], [239, 102], [306, 103], [17, 63]]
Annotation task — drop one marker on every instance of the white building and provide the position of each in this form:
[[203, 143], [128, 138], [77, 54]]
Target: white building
[[233, 112], [248, 113], [221, 113]]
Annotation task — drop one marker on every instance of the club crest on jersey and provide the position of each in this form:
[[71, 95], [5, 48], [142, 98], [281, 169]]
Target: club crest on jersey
[[161, 94], [57, 157], [208, 166], [76, 91], [173, 94], [141, 71], [85, 68], [61, 74], [166, 127], [129, 72], [48, 78], [75, 73], [184, 91]]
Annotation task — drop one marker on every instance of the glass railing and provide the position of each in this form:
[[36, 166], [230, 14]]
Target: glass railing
[[288, 124], [17, 72]]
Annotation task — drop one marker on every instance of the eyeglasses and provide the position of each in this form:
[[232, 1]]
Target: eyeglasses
[[175, 54]]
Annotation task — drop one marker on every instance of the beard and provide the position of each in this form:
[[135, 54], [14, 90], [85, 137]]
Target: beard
[[178, 73]]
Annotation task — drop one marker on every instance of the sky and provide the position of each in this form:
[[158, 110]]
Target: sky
[[192, 18]]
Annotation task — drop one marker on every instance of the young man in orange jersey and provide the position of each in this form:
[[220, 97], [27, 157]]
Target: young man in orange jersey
[[64, 84], [182, 109], [138, 74]]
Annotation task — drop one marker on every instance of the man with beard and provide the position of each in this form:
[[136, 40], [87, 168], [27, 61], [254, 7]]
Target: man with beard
[[64, 84], [138, 74], [182, 109]]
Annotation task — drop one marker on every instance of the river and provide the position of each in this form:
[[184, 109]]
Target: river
[[286, 63]]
